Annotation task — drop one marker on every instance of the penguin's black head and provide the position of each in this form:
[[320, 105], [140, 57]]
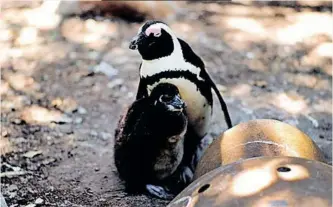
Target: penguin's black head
[[166, 97], [153, 41]]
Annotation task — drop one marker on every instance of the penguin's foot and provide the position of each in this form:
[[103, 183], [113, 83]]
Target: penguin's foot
[[204, 144], [159, 192], [186, 175]]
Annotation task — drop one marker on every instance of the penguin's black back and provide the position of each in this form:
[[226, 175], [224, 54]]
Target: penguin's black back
[[190, 56]]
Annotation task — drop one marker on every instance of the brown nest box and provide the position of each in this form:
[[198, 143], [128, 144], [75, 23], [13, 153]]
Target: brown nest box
[[262, 182], [257, 138]]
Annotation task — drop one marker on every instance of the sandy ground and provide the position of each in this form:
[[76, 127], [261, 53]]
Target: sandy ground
[[59, 110]]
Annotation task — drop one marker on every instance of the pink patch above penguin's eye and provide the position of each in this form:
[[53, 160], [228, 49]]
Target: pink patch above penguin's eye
[[155, 30]]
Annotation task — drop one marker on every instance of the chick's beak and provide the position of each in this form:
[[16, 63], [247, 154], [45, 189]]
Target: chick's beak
[[177, 104]]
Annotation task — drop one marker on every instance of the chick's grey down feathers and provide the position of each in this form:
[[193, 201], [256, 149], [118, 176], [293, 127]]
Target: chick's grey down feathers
[[149, 140]]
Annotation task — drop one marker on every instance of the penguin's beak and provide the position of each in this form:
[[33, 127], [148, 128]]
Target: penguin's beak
[[177, 104], [134, 43]]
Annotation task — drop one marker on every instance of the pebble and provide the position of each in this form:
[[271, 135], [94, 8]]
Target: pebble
[[43, 115], [106, 69], [39, 201], [12, 194], [93, 133], [66, 105], [115, 82], [4, 133], [250, 55], [260, 83], [18, 121], [12, 187], [19, 140], [67, 129], [93, 55], [81, 110], [32, 154], [105, 136], [78, 120], [49, 161], [130, 95]]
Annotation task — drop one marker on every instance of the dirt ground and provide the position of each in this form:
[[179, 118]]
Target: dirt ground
[[64, 88]]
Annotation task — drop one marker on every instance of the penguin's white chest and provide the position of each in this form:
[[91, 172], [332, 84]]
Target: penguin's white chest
[[198, 109]]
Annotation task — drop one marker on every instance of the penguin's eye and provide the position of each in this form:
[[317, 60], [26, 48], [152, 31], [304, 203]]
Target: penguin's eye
[[165, 98], [157, 34]]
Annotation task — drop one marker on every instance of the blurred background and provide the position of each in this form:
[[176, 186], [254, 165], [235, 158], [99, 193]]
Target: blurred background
[[67, 74]]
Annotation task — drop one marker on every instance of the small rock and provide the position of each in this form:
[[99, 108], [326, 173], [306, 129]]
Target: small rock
[[22, 82], [67, 129], [130, 95], [12, 188], [105, 136], [260, 84], [28, 35], [93, 133], [250, 55], [19, 140], [106, 69], [96, 126], [93, 55], [49, 161], [31, 205], [45, 77], [69, 105], [39, 201], [78, 120], [96, 169], [5, 146], [30, 190], [66, 105], [42, 115], [18, 121], [12, 194], [4, 133], [115, 82], [81, 110], [32, 154], [49, 138]]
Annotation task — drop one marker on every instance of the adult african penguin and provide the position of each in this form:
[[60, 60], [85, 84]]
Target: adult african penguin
[[166, 58], [149, 143]]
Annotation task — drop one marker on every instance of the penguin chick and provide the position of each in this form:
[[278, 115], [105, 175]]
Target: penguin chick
[[149, 140]]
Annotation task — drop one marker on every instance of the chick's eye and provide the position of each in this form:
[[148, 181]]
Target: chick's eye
[[165, 98]]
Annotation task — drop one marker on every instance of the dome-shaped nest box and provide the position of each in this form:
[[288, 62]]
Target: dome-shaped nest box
[[257, 138], [261, 182]]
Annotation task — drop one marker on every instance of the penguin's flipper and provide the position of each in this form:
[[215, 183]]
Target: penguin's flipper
[[142, 90], [224, 107], [159, 192]]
